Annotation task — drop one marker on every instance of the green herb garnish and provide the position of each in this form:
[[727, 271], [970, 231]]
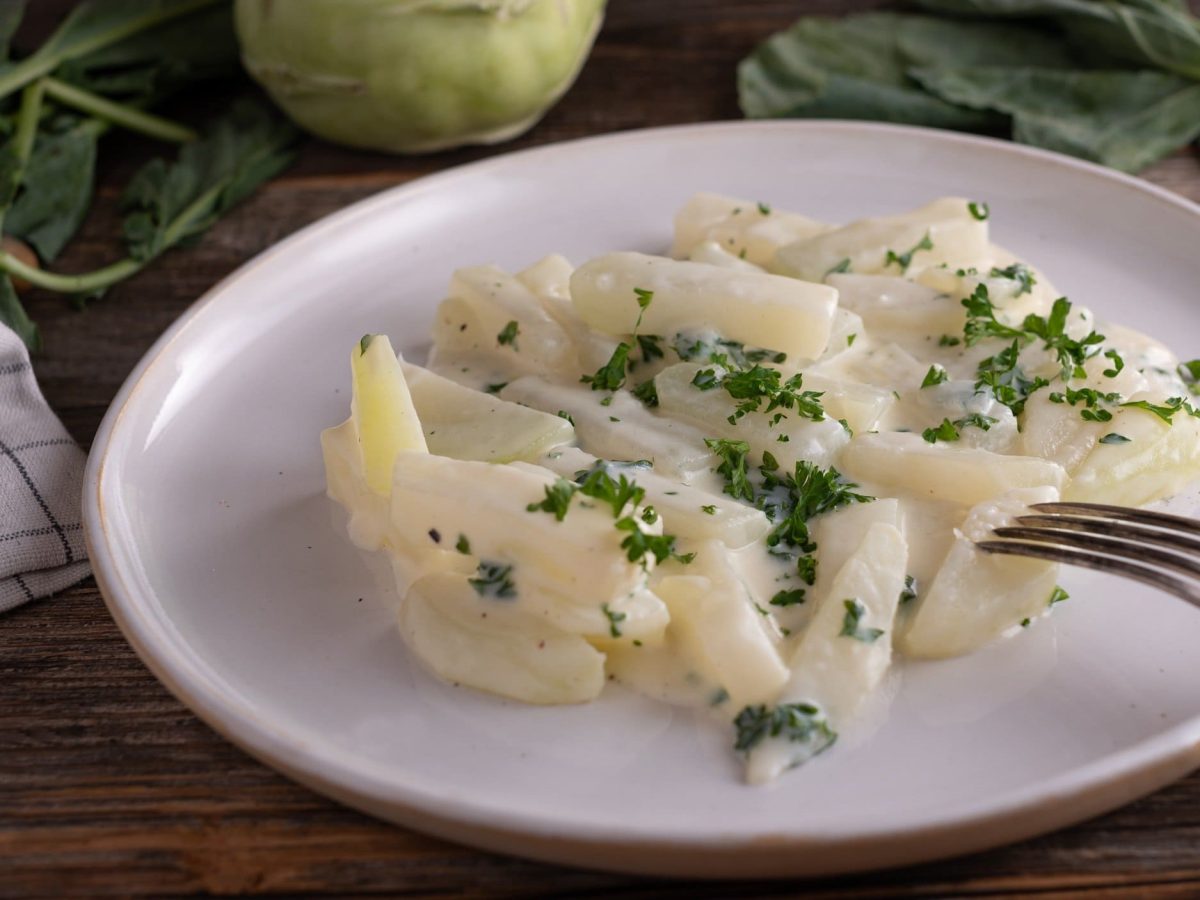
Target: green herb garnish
[[978, 211], [789, 598], [935, 375], [614, 619], [798, 723], [611, 375], [904, 260], [494, 580], [851, 626], [508, 334]]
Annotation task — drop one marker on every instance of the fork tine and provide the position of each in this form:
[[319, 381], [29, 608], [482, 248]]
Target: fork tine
[[1161, 580], [1126, 530], [1103, 544], [1145, 517]]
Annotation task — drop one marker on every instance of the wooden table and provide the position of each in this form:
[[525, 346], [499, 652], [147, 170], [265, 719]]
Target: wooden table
[[109, 786]]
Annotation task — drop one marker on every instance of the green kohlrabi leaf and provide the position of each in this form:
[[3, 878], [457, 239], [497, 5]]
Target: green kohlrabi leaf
[[13, 315], [167, 203], [56, 189], [1126, 120], [1160, 33], [152, 63], [92, 26], [11, 12], [849, 68]]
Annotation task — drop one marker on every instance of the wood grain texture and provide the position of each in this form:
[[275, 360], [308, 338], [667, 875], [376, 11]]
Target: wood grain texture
[[110, 787]]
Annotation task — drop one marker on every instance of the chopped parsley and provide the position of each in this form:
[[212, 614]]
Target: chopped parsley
[[364, 343], [614, 619], [945, 432], [496, 388], [1113, 438], [725, 353], [706, 379], [1058, 595], [638, 544], [557, 500], [563, 414], [644, 299], [463, 545], [647, 392], [798, 723], [1008, 382], [851, 626], [1190, 373], [909, 592], [733, 466], [904, 260], [978, 211], [1020, 273], [949, 340], [935, 375], [1090, 400], [806, 493], [764, 209], [1167, 409], [851, 338], [651, 346], [611, 375], [760, 384], [981, 319], [508, 334], [710, 510], [788, 598], [842, 267], [1118, 363], [494, 580], [1071, 353], [976, 420]]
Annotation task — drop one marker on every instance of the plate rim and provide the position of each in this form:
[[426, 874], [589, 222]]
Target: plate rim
[[1080, 793]]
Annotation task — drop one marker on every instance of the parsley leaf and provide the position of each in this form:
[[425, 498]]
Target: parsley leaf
[[1190, 373], [978, 211], [614, 619], [611, 375], [733, 466], [647, 392], [494, 580], [508, 334], [1113, 438], [904, 260], [1058, 595], [557, 500], [851, 627], [1166, 410], [935, 375], [945, 432], [1020, 273], [1008, 383], [842, 266], [463, 546], [788, 598], [981, 319], [798, 723]]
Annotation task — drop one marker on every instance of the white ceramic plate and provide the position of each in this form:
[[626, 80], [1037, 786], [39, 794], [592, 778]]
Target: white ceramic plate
[[227, 569]]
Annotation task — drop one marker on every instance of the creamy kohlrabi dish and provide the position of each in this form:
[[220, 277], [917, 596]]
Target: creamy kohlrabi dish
[[748, 476]]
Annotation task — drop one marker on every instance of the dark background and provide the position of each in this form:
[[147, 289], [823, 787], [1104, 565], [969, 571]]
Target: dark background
[[108, 786]]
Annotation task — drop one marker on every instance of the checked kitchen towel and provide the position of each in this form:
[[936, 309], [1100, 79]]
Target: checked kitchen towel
[[41, 485]]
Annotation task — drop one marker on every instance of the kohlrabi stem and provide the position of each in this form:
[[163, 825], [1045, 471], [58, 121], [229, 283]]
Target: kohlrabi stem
[[99, 279], [51, 55], [117, 113], [69, 284], [25, 134]]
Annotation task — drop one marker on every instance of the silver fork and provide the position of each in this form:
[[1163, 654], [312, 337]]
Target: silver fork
[[1114, 539]]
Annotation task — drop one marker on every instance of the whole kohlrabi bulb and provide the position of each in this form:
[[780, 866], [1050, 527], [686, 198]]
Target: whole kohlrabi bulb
[[410, 76]]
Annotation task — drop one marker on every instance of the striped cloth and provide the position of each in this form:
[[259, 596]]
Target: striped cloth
[[41, 486]]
